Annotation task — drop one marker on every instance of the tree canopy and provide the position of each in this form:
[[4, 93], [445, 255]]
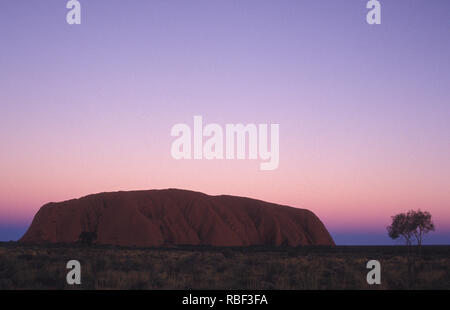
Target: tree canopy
[[411, 226]]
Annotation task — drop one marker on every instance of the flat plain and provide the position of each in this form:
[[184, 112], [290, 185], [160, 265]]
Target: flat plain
[[202, 267]]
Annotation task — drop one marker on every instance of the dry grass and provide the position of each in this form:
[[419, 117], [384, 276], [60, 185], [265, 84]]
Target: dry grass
[[103, 267]]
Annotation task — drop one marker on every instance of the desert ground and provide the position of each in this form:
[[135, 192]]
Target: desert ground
[[188, 267]]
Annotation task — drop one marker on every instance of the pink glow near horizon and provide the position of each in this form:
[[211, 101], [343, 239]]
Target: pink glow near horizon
[[352, 200]]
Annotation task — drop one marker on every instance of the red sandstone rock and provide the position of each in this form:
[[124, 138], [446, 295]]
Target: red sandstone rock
[[168, 217]]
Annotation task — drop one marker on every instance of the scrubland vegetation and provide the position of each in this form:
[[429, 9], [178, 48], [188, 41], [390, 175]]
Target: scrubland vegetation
[[185, 267]]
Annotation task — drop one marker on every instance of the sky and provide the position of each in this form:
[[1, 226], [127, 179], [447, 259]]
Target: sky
[[363, 110]]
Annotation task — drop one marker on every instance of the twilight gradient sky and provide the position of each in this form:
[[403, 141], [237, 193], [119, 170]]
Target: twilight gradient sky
[[364, 111]]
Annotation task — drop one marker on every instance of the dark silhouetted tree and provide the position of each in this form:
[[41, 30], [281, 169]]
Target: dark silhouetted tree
[[422, 224], [411, 226]]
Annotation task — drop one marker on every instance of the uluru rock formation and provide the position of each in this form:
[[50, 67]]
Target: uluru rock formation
[[172, 216]]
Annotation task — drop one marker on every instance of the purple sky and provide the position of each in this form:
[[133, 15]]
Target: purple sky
[[364, 111]]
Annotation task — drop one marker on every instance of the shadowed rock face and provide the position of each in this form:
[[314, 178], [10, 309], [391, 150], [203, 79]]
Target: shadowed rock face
[[168, 217]]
